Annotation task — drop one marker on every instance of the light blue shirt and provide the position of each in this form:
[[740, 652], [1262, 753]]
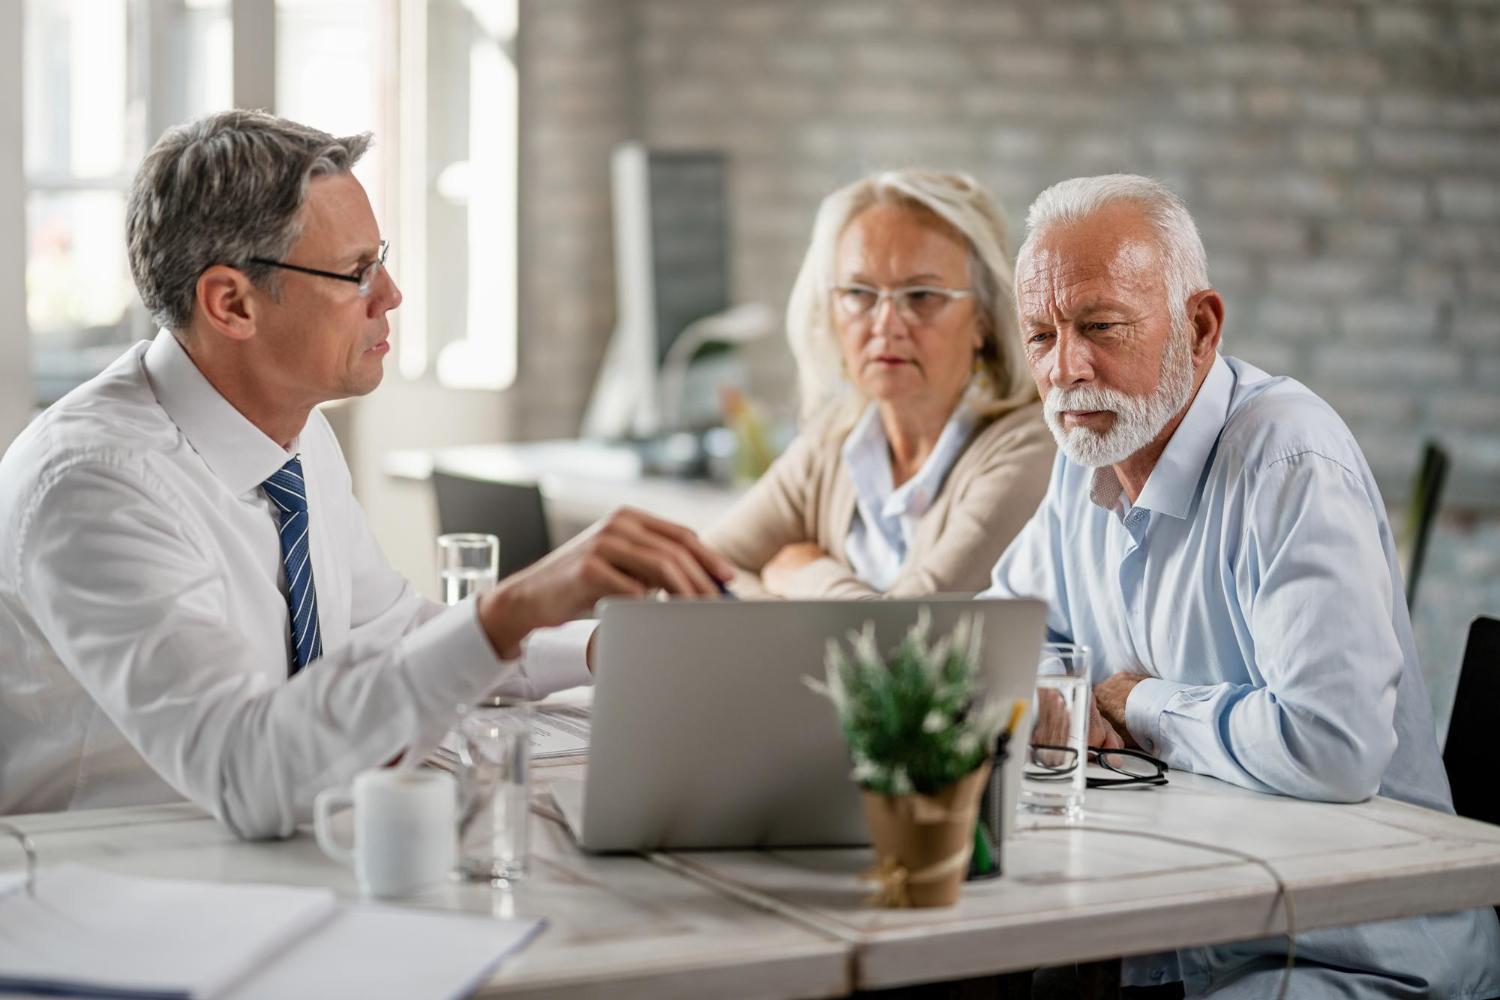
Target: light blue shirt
[[886, 516], [1255, 581]]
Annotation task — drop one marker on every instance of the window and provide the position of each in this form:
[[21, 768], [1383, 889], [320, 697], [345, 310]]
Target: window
[[97, 76], [436, 82], [458, 194]]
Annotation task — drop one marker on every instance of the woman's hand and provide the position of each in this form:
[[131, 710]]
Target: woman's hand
[[775, 575]]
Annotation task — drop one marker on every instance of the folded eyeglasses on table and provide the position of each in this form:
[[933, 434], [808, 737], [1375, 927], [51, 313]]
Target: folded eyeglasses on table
[[1047, 762]]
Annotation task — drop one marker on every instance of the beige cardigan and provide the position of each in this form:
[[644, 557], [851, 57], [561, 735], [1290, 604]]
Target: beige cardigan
[[807, 496]]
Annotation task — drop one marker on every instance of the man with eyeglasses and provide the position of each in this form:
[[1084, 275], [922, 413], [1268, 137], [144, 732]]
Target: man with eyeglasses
[[191, 603], [1214, 535]]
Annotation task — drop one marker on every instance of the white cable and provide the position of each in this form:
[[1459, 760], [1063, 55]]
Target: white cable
[[1283, 893]]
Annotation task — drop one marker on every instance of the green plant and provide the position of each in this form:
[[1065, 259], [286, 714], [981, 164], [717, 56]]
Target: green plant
[[912, 721]]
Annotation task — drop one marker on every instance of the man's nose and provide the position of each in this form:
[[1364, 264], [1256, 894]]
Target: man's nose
[[386, 295], [1074, 364]]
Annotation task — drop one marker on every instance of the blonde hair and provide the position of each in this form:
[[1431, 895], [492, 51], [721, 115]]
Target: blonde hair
[[957, 200]]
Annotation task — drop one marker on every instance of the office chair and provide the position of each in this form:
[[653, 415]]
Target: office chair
[[512, 512], [1476, 709], [1421, 514], [1471, 730]]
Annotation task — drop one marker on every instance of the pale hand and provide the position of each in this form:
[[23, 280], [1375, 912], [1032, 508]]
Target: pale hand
[[1109, 701], [1051, 725], [628, 553], [774, 575]]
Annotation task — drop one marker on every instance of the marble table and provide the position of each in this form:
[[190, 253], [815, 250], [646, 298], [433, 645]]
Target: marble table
[[1111, 888], [616, 926], [794, 924]]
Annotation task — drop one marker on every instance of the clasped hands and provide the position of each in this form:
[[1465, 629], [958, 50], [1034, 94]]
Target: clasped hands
[[1106, 714]]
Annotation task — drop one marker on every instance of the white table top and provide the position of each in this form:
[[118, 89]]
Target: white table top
[[1075, 895], [793, 923], [616, 926], [580, 480]]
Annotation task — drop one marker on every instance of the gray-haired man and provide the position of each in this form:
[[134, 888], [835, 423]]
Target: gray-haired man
[[180, 539], [1214, 535]]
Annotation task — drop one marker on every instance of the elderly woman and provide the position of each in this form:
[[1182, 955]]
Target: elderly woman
[[923, 450]]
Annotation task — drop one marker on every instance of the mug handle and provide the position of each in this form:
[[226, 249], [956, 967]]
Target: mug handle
[[329, 801]]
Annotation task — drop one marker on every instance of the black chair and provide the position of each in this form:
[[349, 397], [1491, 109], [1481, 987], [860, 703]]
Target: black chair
[[1471, 730], [1421, 514], [512, 512], [1476, 710]]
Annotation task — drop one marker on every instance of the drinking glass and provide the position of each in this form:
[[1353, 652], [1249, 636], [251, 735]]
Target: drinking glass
[[494, 779], [1053, 781], [467, 563]]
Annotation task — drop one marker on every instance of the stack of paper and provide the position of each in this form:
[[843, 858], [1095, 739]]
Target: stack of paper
[[559, 728], [93, 933], [88, 930]]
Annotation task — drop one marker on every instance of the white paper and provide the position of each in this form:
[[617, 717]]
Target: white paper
[[374, 952], [89, 928], [557, 730]]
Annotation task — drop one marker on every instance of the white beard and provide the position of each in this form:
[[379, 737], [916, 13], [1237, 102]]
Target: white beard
[[1138, 419]]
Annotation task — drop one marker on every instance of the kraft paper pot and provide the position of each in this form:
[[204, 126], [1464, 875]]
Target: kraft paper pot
[[923, 842]]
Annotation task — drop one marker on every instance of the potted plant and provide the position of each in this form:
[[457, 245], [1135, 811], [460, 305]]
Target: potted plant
[[922, 744]]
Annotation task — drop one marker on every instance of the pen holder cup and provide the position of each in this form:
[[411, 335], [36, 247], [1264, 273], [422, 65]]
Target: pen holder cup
[[985, 862]]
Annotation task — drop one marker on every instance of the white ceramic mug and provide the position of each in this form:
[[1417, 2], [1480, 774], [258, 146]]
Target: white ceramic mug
[[405, 829]]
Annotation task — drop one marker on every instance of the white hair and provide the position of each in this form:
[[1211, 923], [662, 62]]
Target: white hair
[[960, 202], [1072, 201]]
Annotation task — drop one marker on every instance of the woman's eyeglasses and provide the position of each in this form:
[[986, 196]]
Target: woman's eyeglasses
[[1128, 767], [916, 303]]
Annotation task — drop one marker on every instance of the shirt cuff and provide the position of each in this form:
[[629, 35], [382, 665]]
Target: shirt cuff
[[557, 658], [449, 661], [1143, 710]]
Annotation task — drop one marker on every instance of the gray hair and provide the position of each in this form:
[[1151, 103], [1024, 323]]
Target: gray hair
[[221, 190], [960, 202], [1181, 247]]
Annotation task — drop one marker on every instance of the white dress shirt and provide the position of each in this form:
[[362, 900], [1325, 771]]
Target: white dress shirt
[[1254, 580], [144, 642], [886, 517]]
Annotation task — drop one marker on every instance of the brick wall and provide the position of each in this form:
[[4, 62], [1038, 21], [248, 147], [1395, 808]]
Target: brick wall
[[1341, 159]]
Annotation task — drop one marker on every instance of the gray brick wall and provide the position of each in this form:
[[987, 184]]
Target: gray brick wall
[[1341, 158]]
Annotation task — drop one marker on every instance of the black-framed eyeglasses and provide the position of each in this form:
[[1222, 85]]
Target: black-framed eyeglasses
[[364, 277], [1046, 762]]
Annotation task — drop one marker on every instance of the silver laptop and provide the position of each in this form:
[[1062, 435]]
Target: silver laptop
[[705, 736]]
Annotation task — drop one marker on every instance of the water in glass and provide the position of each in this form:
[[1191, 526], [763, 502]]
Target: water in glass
[[494, 784]]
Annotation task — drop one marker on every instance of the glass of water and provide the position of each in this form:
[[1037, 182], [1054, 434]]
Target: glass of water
[[494, 780], [1053, 781], [467, 563]]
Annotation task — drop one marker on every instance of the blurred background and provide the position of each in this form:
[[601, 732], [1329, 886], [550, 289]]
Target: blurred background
[[1341, 158]]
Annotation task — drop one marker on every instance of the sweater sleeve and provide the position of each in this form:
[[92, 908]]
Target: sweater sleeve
[[1012, 460]]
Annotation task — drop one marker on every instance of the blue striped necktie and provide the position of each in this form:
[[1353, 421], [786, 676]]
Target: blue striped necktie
[[289, 494]]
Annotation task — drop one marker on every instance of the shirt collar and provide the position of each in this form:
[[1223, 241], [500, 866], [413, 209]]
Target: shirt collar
[[866, 454], [235, 450], [1174, 480]]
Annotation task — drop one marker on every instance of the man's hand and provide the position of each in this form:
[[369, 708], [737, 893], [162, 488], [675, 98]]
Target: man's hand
[[627, 553], [1109, 701], [1051, 725], [773, 576]]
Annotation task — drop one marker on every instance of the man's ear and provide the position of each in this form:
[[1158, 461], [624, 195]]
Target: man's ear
[[1206, 317], [227, 302]]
